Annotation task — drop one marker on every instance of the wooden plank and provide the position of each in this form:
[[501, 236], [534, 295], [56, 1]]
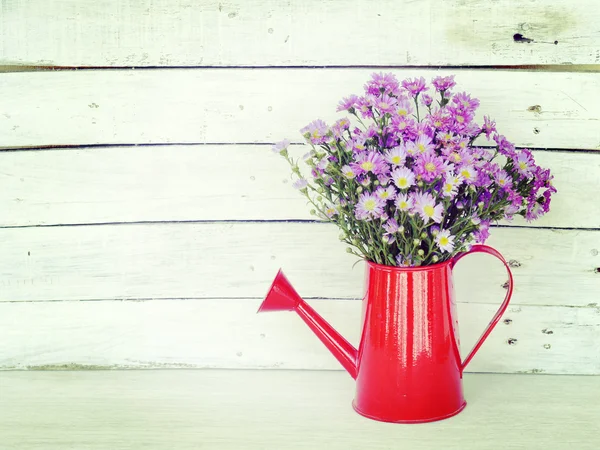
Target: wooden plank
[[209, 260], [298, 410], [128, 184], [548, 110], [218, 333], [311, 32]]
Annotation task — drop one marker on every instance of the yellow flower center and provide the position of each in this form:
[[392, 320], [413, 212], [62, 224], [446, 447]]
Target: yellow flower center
[[401, 125], [447, 137], [315, 134], [384, 195], [428, 210], [502, 182], [383, 105], [370, 204], [396, 160], [402, 182], [402, 112], [437, 123], [421, 147], [522, 165], [460, 119], [462, 144], [448, 187], [349, 174], [367, 166], [456, 157], [444, 241], [403, 205], [430, 167], [466, 174]]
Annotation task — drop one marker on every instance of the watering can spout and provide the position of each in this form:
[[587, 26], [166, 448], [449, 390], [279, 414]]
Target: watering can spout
[[283, 297]]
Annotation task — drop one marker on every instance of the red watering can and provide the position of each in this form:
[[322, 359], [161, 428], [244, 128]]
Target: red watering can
[[407, 367]]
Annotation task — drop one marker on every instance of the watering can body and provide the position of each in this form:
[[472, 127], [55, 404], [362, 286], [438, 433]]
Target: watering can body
[[408, 367]]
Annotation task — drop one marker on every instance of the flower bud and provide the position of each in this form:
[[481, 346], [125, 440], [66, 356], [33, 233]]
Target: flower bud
[[376, 183], [348, 250], [420, 184], [342, 236], [416, 242], [313, 212], [421, 252], [435, 258], [424, 235], [359, 189], [401, 229], [319, 198], [354, 241]]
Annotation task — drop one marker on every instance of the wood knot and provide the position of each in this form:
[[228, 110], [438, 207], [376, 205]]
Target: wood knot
[[518, 37], [514, 263], [547, 331]]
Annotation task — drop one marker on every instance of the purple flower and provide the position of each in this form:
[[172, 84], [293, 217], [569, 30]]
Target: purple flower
[[396, 156], [386, 193], [464, 101], [281, 147], [451, 184], [443, 83], [426, 208], [369, 206], [403, 177], [414, 85], [445, 241], [382, 82], [426, 100], [331, 211], [524, 163], [391, 226], [483, 233], [469, 174], [316, 132], [300, 184], [404, 107], [404, 261], [348, 103], [370, 162], [505, 147], [489, 126], [503, 179], [340, 126], [365, 107], [348, 172], [423, 144], [429, 166], [404, 202], [386, 104]]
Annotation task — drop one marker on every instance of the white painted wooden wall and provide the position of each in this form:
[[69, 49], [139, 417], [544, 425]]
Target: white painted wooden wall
[[142, 215]]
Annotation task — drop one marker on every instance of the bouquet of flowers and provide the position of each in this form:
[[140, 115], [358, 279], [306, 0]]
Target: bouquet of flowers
[[403, 179]]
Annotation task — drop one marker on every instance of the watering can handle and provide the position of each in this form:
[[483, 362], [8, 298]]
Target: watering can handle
[[503, 306]]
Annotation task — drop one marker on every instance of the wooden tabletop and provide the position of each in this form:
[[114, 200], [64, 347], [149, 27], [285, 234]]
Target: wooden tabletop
[[277, 409]]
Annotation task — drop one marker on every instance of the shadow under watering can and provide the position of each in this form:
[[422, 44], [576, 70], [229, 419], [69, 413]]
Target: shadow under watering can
[[407, 367]]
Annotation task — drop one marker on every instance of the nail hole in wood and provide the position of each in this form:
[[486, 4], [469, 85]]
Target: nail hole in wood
[[536, 131], [547, 346], [514, 263], [555, 42], [547, 331], [507, 321], [512, 341]]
